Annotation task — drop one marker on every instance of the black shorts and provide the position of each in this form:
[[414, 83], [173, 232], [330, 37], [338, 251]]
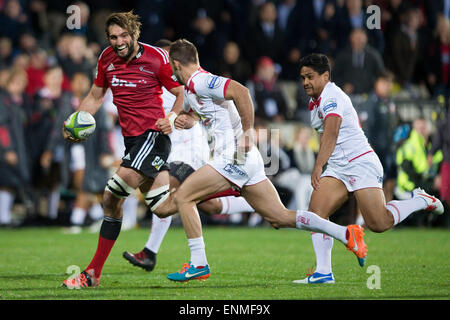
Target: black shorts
[[180, 170], [147, 153]]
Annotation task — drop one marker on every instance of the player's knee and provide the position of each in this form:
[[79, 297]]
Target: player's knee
[[118, 188], [178, 197], [163, 211], [155, 198], [377, 226]]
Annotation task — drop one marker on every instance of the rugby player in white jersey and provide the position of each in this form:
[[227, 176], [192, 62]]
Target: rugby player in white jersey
[[189, 152], [351, 166], [226, 110]]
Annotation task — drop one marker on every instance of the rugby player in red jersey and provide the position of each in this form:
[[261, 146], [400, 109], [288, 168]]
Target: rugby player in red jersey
[[135, 72]]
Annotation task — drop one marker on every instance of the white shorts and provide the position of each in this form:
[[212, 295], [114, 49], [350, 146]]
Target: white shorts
[[77, 157], [363, 172], [249, 173]]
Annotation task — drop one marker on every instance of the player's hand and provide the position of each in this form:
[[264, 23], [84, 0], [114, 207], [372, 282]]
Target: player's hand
[[181, 121], [315, 177], [164, 125], [68, 137]]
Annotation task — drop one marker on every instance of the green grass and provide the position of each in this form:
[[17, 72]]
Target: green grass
[[245, 263]]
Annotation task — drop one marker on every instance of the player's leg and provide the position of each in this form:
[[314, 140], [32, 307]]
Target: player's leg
[[225, 205], [265, 200], [380, 216], [146, 258], [197, 186], [322, 243], [120, 185]]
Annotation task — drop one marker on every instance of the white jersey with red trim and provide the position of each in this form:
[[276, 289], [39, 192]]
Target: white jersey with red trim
[[205, 95], [351, 142], [188, 145]]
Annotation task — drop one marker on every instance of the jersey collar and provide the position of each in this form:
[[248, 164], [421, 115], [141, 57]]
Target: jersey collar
[[140, 52], [189, 84], [316, 102]]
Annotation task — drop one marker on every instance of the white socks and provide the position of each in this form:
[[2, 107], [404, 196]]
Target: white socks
[[53, 204], [402, 209], [77, 217], [198, 255], [96, 212], [232, 204], [130, 206], [158, 232], [306, 220], [322, 247], [6, 202]]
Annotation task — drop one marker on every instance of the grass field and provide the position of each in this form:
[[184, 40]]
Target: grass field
[[246, 264]]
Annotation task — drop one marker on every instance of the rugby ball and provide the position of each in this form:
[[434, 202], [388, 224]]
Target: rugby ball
[[80, 125]]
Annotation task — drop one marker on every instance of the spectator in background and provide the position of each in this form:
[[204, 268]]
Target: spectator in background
[[89, 26], [79, 58], [441, 141], [4, 77], [270, 104], [153, 15], [6, 50], [265, 37], [412, 164], [232, 65], [437, 62], [434, 9], [36, 71], [45, 158], [298, 177], [27, 43], [390, 20], [205, 37], [378, 118], [14, 166], [357, 67], [13, 20], [312, 27], [21, 61], [284, 9], [353, 16], [89, 160], [403, 58]]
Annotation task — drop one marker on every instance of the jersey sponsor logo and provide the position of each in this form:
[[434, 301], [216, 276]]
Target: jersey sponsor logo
[[330, 105], [232, 169], [213, 82], [141, 68], [116, 82], [157, 162]]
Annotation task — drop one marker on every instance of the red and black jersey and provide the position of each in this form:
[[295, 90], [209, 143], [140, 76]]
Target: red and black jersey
[[136, 86]]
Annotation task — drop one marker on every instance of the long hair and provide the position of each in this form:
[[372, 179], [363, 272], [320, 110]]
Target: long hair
[[125, 20]]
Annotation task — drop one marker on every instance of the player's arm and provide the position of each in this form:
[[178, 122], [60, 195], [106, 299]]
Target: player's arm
[[328, 141], [91, 103], [93, 100], [243, 101]]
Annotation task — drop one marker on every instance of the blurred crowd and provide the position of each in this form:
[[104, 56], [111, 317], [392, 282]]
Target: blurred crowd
[[47, 67]]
